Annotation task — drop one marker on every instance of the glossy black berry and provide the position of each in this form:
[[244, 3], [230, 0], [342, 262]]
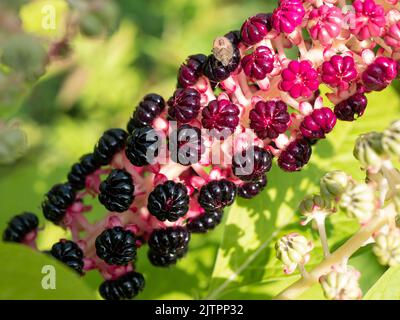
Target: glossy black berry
[[19, 226], [125, 287], [117, 191], [190, 71], [168, 201], [173, 240], [146, 112], [80, 170], [351, 108], [164, 260], [249, 190], [184, 105], [69, 253], [116, 246], [207, 221], [142, 146], [217, 194], [111, 142], [58, 199], [215, 71], [186, 145], [252, 163], [234, 37]]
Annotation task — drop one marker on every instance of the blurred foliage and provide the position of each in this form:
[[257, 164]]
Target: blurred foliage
[[100, 60]]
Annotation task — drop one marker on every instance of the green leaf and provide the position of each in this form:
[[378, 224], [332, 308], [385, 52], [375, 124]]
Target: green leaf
[[246, 256], [21, 276], [387, 287]]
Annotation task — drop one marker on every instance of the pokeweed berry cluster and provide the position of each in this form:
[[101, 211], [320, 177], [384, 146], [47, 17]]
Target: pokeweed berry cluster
[[247, 103], [374, 203]]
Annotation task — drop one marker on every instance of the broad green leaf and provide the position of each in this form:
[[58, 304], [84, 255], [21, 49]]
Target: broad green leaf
[[22, 273], [246, 255], [387, 287]]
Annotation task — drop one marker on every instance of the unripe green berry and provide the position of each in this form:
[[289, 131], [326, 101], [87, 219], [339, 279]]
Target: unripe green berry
[[333, 184], [387, 247], [341, 284], [391, 139], [13, 143], [369, 151]]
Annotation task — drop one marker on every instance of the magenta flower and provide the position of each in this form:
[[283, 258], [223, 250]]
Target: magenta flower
[[368, 20], [379, 74], [318, 123], [300, 79], [258, 64], [325, 24], [288, 15], [339, 72]]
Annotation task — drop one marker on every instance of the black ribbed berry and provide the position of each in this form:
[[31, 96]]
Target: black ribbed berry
[[142, 146], [295, 156], [116, 246], [186, 145], [117, 191], [164, 260], [125, 287], [251, 189], [19, 226], [205, 222], [234, 37], [217, 194], [80, 170], [69, 253], [169, 240], [112, 141], [191, 70], [58, 199], [148, 109], [184, 105], [252, 163], [168, 201]]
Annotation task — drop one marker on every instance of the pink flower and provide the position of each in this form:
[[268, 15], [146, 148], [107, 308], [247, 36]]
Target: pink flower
[[339, 72], [325, 24], [300, 79]]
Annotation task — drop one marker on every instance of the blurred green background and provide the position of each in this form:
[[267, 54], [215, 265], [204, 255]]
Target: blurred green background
[[54, 107]]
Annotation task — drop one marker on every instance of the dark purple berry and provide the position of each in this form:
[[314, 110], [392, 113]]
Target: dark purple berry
[[142, 146], [116, 246], [111, 142], [146, 112], [168, 201], [351, 108], [217, 194], [165, 260], [205, 222], [184, 105], [125, 287], [69, 253], [186, 145], [269, 119], [295, 155], [379, 74], [220, 115], [19, 226], [216, 71], [117, 191], [255, 28], [58, 199], [318, 123], [252, 163], [258, 64], [173, 240], [191, 70], [234, 37], [249, 190]]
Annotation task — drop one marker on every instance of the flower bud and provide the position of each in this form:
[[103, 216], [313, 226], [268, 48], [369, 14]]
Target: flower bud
[[293, 249], [333, 184], [341, 284], [359, 202], [387, 247], [315, 207], [369, 151], [391, 139]]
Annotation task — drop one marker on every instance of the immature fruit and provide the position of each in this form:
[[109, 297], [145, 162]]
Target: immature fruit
[[318, 123], [295, 156], [258, 64], [117, 191], [255, 28], [351, 108], [125, 287], [341, 284], [19, 226], [111, 142], [249, 190], [205, 222], [168, 201], [69, 253], [146, 112], [58, 199], [190, 71], [142, 146], [333, 184], [184, 105], [116, 246], [379, 74], [217, 194], [252, 163], [220, 115]]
